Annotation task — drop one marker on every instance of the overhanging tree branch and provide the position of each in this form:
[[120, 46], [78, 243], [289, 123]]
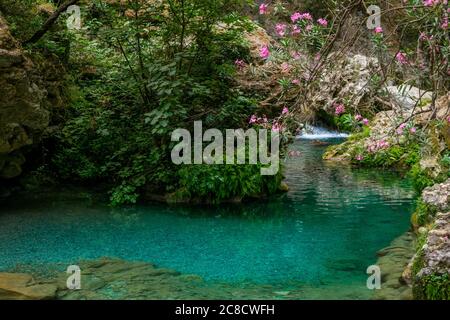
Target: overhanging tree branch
[[50, 21]]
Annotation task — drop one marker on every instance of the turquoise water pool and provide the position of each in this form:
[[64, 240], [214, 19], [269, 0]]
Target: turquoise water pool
[[324, 232]]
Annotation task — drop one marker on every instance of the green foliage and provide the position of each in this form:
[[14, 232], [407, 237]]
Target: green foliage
[[23, 17], [445, 162], [424, 212], [346, 122], [365, 133], [433, 287], [215, 183], [154, 73], [420, 179], [383, 158], [318, 8]]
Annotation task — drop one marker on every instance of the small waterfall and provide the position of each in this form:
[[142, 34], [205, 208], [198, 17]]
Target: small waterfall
[[319, 133]]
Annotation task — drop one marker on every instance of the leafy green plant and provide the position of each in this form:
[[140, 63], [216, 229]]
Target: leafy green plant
[[419, 178], [147, 82], [424, 213], [433, 287], [215, 183]]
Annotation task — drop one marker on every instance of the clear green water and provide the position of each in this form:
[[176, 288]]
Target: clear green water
[[324, 232]]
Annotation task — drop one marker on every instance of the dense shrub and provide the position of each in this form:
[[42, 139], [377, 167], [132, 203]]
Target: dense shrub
[[156, 67]]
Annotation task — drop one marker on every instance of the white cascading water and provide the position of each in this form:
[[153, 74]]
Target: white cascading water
[[318, 133]]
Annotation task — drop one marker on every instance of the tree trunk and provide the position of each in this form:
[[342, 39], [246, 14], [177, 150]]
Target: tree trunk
[[49, 23]]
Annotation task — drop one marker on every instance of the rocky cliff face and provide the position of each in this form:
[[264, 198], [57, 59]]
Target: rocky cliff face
[[431, 265], [23, 116]]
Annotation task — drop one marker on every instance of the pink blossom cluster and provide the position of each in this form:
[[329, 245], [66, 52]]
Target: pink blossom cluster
[[264, 52], [240, 64], [276, 126], [263, 8], [339, 109], [281, 29], [286, 68], [301, 16], [401, 58], [401, 129], [377, 146], [257, 120], [424, 37], [361, 119], [430, 3]]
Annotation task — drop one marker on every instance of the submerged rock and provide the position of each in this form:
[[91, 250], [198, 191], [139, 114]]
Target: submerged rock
[[19, 286], [392, 262]]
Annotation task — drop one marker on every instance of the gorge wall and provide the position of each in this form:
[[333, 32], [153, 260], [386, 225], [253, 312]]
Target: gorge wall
[[24, 104]]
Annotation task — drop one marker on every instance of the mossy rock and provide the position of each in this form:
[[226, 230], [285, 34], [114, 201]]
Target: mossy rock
[[423, 215], [432, 287], [340, 152]]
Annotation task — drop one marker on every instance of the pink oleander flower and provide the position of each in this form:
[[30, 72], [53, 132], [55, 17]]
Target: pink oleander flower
[[296, 16], [339, 109], [306, 16], [263, 8], [296, 81], [423, 36], [401, 128], [372, 148], [365, 121], [309, 27], [358, 117], [276, 127], [281, 29], [401, 58], [413, 130], [295, 30], [444, 24], [300, 16], [240, 64], [264, 52], [378, 30], [285, 111], [376, 146], [430, 3], [382, 144], [253, 119], [295, 55], [322, 22], [285, 67], [359, 157]]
